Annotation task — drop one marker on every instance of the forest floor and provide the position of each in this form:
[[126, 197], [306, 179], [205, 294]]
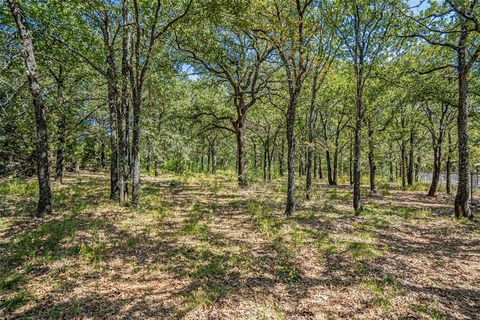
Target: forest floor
[[197, 247]]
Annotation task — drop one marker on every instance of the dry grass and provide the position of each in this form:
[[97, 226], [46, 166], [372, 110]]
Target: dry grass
[[200, 248]]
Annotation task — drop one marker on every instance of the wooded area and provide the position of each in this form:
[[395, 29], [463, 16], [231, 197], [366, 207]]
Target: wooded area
[[239, 159]]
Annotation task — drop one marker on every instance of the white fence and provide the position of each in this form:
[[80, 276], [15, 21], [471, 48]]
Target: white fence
[[427, 177]]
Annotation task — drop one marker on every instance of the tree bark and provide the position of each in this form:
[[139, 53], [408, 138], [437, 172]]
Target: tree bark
[[282, 159], [411, 161], [449, 165], [320, 171], [329, 168], [357, 144], [437, 161], [402, 164], [44, 205], [371, 158], [60, 152], [350, 168], [265, 159], [462, 207], [335, 166], [291, 112], [255, 158], [121, 110], [213, 157], [136, 150], [240, 127], [308, 180], [102, 155]]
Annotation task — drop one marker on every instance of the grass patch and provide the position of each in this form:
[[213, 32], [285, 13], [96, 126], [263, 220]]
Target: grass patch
[[16, 301]]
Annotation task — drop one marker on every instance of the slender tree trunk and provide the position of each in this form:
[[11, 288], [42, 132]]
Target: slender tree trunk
[[241, 152], [44, 205], [411, 161], [214, 158], [155, 164], [308, 180], [461, 199], [290, 206], [102, 155], [329, 168], [209, 154], [417, 168], [121, 110], [315, 165], [113, 106], [320, 171], [136, 150], [402, 164], [357, 205], [265, 155], [335, 166], [282, 159], [269, 164], [255, 158], [437, 156], [371, 158], [449, 165], [149, 153], [60, 152], [350, 166]]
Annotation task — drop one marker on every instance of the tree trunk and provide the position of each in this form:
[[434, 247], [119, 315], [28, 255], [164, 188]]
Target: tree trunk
[[149, 153], [213, 157], [44, 205], [269, 164], [449, 165], [350, 167], [411, 161], [329, 168], [417, 168], [265, 155], [282, 159], [449, 177], [121, 110], [255, 158], [461, 199], [315, 165], [357, 144], [290, 206], [437, 156], [402, 164], [309, 159], [240, 127], [209, 155], [60, 152], [335, 167], [371, 158], [320, 171], [136, 150], [102, 155]]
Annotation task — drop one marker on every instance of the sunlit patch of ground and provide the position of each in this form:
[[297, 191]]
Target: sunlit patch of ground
[[198, 247]]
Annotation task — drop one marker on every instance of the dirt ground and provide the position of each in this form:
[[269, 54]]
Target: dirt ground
[[197, 247]]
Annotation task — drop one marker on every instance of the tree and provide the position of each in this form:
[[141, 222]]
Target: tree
[[44, 205], [290, 28], [460, 36], [142, 50], [228, 50], [364, 28]]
